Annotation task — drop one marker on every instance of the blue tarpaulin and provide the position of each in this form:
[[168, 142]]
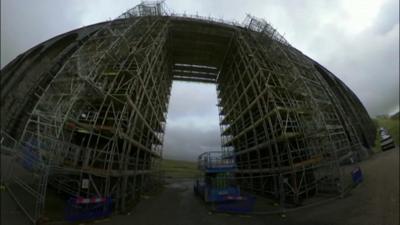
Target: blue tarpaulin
[[357, 175], [77, 211]]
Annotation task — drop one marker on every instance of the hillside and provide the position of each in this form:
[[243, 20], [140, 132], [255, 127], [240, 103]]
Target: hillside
[[395, 116], [179, 169], [392, 124]]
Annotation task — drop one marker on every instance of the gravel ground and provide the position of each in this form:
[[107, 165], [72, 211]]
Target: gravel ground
[[373, 202]]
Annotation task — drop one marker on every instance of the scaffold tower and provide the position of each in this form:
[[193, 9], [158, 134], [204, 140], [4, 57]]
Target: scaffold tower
[[84, 113]]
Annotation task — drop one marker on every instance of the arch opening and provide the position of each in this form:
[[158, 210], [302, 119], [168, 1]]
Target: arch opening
[[98, 127]]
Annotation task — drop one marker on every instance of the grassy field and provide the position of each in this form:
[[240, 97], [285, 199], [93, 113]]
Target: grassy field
[[393, 127], [179, 169]]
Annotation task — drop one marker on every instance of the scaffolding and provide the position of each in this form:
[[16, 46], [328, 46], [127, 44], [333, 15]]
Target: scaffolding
[[97, 128], [286, 128]]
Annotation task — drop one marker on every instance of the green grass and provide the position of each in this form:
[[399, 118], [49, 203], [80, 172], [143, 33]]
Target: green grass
[[393, 127], [179, 169]]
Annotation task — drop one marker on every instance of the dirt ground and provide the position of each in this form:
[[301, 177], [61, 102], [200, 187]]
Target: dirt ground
[[373, 202]]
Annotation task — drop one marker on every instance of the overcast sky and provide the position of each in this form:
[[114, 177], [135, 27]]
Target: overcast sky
[[356, 40]]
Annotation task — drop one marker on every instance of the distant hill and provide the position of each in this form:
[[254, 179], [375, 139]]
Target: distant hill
[[179, 169], [395, 116]]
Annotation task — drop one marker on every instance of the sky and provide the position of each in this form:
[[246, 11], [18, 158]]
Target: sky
[[357, 40]]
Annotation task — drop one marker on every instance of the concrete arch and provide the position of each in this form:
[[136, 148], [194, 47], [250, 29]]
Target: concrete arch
[[100, 117]]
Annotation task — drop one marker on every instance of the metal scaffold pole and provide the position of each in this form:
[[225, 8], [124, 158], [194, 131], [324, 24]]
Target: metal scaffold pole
[[85, 113]]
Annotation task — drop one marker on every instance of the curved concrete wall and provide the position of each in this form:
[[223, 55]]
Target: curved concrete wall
[[283, 115], [24, 78]]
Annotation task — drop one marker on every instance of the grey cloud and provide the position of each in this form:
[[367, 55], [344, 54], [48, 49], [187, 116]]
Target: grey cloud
[[190, 99], [367, 60], [369, 64], [186, 143], [27, 23], [192, 123], [388, 17]]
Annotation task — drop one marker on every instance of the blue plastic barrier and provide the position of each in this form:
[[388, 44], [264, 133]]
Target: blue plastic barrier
[[77, 211], [30, 157], [357, 175], [244, 205], [218, 195]]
